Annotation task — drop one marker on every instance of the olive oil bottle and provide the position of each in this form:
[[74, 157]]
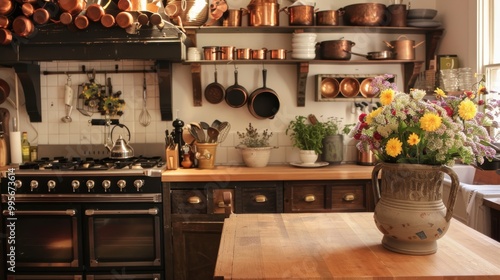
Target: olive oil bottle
[[25, 147]]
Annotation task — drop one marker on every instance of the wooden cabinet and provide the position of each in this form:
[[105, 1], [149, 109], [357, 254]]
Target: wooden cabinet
[[195, 213], [328, 196], [494, 205]]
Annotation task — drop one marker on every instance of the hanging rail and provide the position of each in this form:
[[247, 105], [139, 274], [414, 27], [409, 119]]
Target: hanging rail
[[84, 71]]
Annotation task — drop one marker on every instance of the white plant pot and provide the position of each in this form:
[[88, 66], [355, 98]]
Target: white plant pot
[[308, 156], [255, 157]]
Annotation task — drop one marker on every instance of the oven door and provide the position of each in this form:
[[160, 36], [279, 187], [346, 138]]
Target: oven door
[[46, 237], [124, 235]]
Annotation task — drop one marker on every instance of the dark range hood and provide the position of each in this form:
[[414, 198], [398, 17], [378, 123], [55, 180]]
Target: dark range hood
[[53, 42]]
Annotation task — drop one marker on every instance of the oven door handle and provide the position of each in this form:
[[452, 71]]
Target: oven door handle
[[67, 212], [93, 212]]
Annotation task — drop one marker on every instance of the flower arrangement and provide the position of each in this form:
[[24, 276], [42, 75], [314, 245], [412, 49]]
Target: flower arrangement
[[409, 129], [94, 97], [253, 139]]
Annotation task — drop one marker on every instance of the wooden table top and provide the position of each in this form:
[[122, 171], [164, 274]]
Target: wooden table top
[[344, 246], [268, 173]]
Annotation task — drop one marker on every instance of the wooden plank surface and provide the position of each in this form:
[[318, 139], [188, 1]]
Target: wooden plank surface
[[271, 172], [343, 246]]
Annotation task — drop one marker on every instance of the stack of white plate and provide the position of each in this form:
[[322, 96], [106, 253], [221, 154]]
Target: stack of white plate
[[422, 18], [304, 45]]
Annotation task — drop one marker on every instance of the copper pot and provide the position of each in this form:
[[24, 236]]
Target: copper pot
[[124, 19], [41, 16], [81, 22], [227, 52], [5, 36], [302, 15], [95, 12], [336, 49], [366, 14], [27, 9], [211, 53], [243, 53], [259, 54], [6, 7], [73, 7], [232, 17], [108, 20], [278, 54], [263, 14], [329, 17], [22, 26], [66, 18], [4, 21]]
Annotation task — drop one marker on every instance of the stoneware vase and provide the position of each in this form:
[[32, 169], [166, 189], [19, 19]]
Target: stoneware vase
[[409, 209], [255, 157], [333, 149], [205, 154], [308, 156]]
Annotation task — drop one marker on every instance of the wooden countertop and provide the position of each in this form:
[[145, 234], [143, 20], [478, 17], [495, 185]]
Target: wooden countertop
[[268, 173], [343, 246]]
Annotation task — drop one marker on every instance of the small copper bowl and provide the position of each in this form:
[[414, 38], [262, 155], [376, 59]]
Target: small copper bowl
[[349, 87]]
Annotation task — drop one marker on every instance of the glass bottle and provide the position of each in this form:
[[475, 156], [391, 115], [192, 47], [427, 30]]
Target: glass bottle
[[25, 147]]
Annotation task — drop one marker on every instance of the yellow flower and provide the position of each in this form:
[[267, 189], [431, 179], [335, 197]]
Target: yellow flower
[[372, 115], [430, 122], [394, 147], [386, 96], [413, 139], [467, 109], [440, 93]]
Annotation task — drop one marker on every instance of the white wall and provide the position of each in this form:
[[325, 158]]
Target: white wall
[[281, 78]]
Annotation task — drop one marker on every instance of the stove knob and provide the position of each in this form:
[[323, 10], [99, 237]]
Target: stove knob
[[51, 184], [106, 184], [18, 184], [75, 184], [121, 184], [138, 184], [33, 184], [90, 184]]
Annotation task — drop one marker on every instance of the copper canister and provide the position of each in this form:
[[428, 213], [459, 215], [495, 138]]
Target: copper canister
[[211, 53], [263, 14], [227, 52], [278, 54], [243, 53], [259, 54]]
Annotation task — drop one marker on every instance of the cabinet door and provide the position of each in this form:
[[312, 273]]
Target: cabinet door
[[195, 245]]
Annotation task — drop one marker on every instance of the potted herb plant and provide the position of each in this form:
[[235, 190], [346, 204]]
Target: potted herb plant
[[308, 137], [254, 146]]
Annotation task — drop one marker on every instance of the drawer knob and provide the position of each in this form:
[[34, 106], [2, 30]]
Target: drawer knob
[[349, 197], [310, 198], [194, 200], [260, 198]]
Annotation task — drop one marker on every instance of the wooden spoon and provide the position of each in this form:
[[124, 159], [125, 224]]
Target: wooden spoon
[[213, 134]]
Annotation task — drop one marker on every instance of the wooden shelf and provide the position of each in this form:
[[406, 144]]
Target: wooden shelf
[[411, 68]]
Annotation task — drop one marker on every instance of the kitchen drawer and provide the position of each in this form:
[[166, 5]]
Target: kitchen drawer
[[192, 201], [327, 196], [259, 197]]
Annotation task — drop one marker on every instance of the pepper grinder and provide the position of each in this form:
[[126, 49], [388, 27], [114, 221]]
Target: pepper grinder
[[177, 134]]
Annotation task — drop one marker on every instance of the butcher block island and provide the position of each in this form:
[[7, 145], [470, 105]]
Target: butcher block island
[[343, 246], [198, 200]]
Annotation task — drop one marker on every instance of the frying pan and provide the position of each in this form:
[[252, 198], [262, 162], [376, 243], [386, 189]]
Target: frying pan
[[214, 92], [376, 55], [4, 90], [236, 95], [263, 103]]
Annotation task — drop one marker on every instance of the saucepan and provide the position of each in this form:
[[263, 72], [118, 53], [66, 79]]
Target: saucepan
[[264, 103], [381, 55]]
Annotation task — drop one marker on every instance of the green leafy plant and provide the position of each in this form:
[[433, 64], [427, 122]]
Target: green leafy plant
[[306, 135], [253, 139]]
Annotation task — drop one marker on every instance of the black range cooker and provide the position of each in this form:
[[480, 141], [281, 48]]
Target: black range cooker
[[83, 218]]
